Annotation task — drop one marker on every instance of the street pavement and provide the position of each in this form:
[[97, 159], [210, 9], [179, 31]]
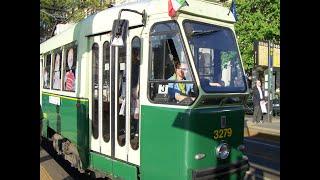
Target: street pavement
[[50, 169], [270, 128], [262, 141]]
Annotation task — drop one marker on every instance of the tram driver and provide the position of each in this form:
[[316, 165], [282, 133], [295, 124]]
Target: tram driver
[[180, 91]]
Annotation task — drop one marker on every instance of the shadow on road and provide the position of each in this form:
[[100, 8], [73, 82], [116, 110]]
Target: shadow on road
[[73, 172], [264, 137]]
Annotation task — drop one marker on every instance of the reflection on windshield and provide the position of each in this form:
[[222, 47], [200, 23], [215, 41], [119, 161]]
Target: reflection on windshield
[[197, 33], [216, 57]]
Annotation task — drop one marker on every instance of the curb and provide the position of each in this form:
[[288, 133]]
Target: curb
[[259, 128], [264, 130]]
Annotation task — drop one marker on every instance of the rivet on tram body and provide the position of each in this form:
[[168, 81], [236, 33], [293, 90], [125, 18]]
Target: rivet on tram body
[[199, 156]]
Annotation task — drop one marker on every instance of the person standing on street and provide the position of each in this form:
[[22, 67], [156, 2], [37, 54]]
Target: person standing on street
[[258, 97]]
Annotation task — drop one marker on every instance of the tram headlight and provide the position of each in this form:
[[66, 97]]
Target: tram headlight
[[222, 151]]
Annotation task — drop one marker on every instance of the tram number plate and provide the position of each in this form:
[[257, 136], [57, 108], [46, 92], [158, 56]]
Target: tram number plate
[[222, 133]]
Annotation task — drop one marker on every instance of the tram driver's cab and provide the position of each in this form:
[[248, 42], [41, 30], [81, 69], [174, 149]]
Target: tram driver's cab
[[172, 81]]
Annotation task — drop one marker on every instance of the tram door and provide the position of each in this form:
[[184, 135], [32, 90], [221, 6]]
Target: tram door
[[108, 121], [100, 137], [126, 101], [115, 107]]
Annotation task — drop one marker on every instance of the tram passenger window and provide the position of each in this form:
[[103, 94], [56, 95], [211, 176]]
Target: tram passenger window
[[105, 92], [95, 88], [56, 71], [46, 72], [135, 93], [70, 69], [170, 78]]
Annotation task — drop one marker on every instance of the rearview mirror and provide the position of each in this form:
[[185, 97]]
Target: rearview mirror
[[119, 32]]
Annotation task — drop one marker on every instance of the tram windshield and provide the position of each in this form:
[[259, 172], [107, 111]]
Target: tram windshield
[[216, 57]]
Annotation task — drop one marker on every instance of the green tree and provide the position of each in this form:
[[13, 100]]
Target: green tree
[[53, 12], [257, 20]]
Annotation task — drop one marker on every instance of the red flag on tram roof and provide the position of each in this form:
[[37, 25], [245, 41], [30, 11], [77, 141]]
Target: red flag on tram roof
[[175, 5]]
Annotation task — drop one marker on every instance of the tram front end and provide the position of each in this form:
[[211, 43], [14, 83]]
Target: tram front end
[[215, 123], [193, 123], [198, 130]]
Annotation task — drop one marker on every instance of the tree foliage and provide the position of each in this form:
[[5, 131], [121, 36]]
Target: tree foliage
[[53, 12], [258, 20]]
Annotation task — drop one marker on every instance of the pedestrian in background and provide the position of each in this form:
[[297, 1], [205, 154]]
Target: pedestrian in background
[[258, 98]]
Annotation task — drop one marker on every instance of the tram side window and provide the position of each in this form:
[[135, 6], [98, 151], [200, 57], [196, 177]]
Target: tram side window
[[170, 78], [135, 93], [70, 69], [121, 124], [56, 71], [46, 72], [106, 92]]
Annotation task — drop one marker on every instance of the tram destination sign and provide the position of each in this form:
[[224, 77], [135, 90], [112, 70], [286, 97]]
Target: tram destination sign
[[261, 53]]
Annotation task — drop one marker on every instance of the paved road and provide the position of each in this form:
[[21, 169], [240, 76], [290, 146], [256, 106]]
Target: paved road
[[60, 169], [264, 158]]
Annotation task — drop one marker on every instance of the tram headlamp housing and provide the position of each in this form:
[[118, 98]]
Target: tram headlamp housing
[[222, 151]]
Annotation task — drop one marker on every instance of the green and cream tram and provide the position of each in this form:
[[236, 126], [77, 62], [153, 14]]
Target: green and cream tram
[[133, 93]]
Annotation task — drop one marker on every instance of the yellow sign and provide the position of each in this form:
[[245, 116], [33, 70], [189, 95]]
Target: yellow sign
[[263, 54], [276, 57]]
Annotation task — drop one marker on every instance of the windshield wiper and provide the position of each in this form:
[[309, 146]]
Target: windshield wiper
[[200, 33]]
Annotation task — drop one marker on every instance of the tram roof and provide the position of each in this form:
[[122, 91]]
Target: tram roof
[[102, 21]]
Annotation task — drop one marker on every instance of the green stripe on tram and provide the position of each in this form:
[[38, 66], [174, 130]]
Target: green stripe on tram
[[70, 119], [65, 97]]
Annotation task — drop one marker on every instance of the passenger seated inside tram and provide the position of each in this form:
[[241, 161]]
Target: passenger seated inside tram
[[180, 91]]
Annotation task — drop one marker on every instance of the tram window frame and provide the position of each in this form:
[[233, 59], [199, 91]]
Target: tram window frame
[[122, 58], [232, 33], [56, 52], [95, 116], [163, 81], [132, 111], [74, 67], [106, 130], [46, 55]]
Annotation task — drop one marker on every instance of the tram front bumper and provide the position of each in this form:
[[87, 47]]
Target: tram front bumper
[[212, 173]]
